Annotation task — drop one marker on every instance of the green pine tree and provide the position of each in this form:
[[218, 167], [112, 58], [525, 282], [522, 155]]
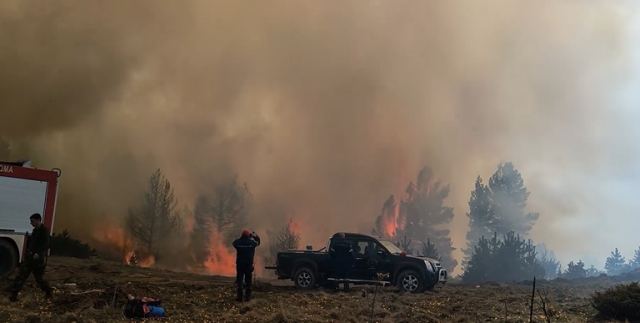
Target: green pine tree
[[615, 264], [499, 206]]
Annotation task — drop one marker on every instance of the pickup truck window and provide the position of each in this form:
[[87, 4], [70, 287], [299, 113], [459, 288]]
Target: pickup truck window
[[391, 247], [360, 248]]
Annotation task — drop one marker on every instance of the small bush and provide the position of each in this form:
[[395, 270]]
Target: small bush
[[621, 302], [64, 245]]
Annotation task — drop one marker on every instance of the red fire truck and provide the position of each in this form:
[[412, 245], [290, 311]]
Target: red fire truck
[[24, 190]]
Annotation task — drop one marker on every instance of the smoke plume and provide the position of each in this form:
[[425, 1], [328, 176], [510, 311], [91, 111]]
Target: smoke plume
[[326, 108]]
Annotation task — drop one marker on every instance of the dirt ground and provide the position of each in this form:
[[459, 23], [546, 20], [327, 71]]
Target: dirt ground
[[87, 289]]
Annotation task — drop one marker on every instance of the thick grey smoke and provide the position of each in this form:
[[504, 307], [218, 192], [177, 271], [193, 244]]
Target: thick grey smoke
[[325, 109]]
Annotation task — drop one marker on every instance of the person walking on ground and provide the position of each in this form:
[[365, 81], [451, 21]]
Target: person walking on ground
[[35, 259], [245, 250]]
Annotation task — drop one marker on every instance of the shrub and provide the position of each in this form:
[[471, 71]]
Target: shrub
[[64, 245], [621, 302]]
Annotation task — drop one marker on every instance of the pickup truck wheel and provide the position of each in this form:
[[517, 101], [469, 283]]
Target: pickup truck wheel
[[305, 278], [8, 258], [410, 281]]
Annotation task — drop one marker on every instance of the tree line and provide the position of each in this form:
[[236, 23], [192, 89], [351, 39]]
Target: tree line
[[157, 225], [499, 225], [498, 245]]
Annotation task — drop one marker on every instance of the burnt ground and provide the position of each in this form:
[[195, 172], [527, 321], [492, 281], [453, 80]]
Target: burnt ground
[[86, 289]]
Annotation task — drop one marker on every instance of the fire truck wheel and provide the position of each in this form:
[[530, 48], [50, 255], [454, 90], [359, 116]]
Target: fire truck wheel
[[8, 257]]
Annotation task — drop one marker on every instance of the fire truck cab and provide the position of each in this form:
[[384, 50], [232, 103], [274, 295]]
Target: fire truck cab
[[24, 190]]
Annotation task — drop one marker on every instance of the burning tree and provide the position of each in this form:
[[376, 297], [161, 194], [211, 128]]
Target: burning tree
[[203, 224], [219, 217], [499, 207], [230, 207], [284, 239], [155, 223], [421, 216], [387, 223]]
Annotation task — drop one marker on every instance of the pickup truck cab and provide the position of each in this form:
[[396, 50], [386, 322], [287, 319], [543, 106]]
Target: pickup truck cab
[[374, 261]]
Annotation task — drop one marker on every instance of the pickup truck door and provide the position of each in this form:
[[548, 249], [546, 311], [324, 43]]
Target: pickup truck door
[[361, 260], [380, 261]]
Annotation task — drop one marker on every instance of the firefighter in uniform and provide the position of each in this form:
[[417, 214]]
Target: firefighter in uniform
[[35, 259], [245, 250]]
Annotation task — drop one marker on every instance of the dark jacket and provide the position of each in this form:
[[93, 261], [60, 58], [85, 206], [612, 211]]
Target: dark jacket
[[38, 242], [246, 248]]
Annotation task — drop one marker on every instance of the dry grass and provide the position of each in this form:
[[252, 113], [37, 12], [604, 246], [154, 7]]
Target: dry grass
[[196, 298]]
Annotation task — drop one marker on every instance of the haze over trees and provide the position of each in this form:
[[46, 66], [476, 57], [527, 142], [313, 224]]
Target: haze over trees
[[548, 261], [154, 224], [499, 206], [283, 239]]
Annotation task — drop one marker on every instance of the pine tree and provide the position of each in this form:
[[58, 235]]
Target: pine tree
[[575, 270], [429, 250], [230, 206], [548, 261], [479, 266], [405, 244], [615, 264], [284, 239], [387, 225], [203, 224], [592, 272], [508, 259], [480, 213], [634, 263], [499, 206], [420, 216], [154, 224]]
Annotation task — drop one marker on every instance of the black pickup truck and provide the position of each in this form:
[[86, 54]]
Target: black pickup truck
[[375, 261]]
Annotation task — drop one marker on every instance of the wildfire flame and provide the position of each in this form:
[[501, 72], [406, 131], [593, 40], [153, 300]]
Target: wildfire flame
[[390, 221], [221, 260], [115, 236]]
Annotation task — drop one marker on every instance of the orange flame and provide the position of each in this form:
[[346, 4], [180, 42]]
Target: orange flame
[[390, 226], [392, 220], [221, 260], [116, 236]]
